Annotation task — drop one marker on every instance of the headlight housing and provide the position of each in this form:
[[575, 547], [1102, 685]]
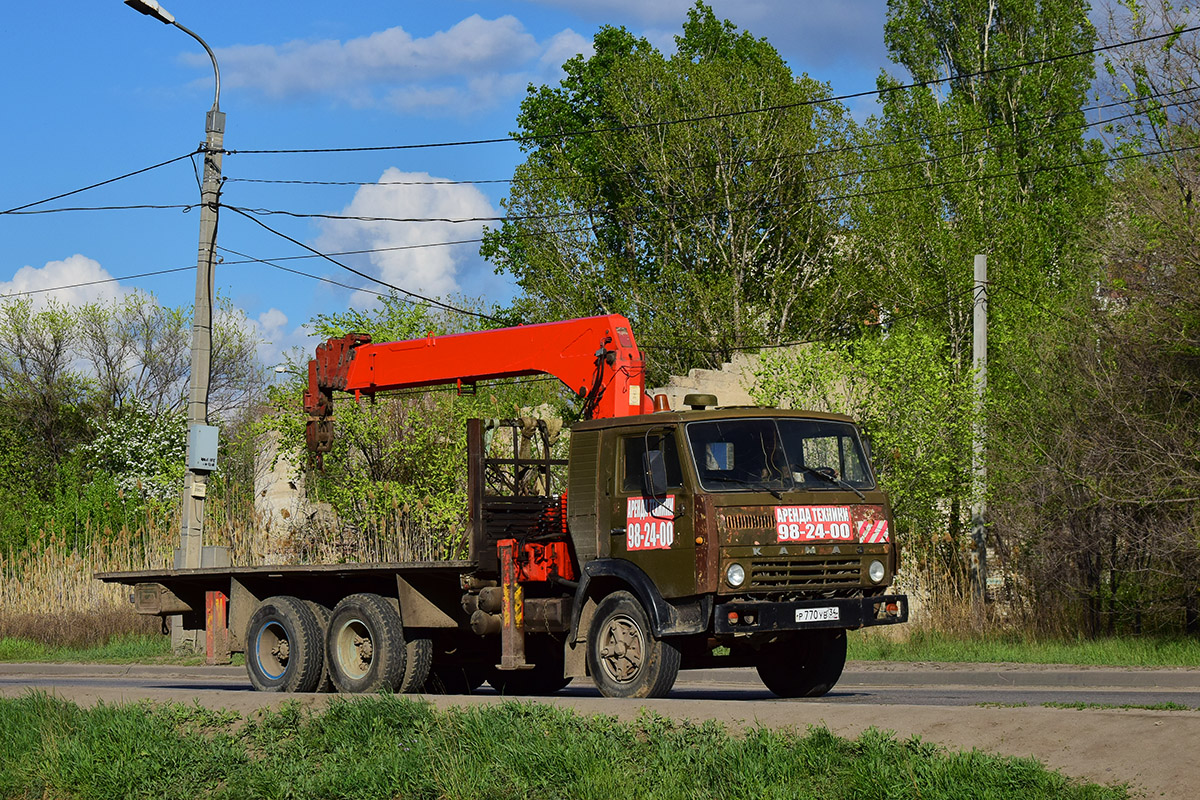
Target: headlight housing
[[876, 571], [735, 575]]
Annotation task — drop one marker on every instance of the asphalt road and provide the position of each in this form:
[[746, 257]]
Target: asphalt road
[[861, 684], [995, 708]]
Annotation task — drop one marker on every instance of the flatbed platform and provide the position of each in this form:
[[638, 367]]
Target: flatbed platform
[[349, 570]]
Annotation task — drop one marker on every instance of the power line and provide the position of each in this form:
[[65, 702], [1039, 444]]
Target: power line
[[253, 213], [101, 183], [348, 268], [135, 207], [726, 114], [249, 259], [363, 251], [918, 313], [95, 282], [948, 134]]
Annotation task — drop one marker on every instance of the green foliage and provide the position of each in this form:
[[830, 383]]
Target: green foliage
[[397, 471], [903, 390], [144, 452], [386, 747], [92, 397], [709, 235]]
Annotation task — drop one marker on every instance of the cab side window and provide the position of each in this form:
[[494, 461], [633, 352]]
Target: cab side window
[[632, 450]]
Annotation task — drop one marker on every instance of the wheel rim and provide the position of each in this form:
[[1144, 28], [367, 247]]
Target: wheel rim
[[272, 650], [354, 647], [622, 649]]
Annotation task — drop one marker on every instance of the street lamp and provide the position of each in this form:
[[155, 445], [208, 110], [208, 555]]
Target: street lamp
[[202, 439]]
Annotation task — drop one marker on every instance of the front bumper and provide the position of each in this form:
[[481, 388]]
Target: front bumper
[[752, 616]]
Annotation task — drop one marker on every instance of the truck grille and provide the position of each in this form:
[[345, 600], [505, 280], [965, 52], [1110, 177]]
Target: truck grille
[[746, 522], [833, 572]]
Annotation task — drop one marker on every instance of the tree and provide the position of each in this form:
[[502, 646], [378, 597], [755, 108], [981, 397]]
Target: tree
[[987, 153], [1109, 468], [396, 476], [692, 193], [92, 400]]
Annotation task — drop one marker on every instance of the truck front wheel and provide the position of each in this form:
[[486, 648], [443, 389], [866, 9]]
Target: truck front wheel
[[284, 648], [806, 665], [365, 645], [624, 657]]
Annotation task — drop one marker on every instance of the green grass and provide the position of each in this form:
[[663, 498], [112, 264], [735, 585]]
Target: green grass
[[124, 649], [924, 645], [391, 747], [1080, 706]]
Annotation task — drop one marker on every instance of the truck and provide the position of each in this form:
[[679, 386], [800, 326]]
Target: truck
[[666, 539]]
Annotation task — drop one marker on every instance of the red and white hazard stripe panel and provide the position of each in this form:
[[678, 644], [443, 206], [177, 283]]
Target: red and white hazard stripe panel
[[873, 531]]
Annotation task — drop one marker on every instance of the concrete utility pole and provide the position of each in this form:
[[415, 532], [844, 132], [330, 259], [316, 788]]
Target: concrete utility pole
[[978, 462], [202, 438]]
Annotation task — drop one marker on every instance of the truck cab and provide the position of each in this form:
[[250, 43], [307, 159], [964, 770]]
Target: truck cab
[[749, 536]]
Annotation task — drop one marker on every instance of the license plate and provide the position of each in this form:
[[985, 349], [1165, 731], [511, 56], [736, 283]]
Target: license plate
[[825, 614]]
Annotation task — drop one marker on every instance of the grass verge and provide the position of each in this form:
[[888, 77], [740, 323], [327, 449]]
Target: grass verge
[[132, 648], [386, 747], [926, 645]]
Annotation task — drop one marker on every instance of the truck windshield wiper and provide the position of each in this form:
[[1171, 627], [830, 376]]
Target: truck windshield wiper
[[825, 476], [776, 493]]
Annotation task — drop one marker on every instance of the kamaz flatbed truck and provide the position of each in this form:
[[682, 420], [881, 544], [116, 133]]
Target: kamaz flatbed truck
[[689, 538]]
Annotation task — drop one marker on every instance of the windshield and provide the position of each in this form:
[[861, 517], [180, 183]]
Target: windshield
[[778, 455]]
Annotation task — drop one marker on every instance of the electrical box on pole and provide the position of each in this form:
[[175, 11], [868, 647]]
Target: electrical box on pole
[[202, 447]]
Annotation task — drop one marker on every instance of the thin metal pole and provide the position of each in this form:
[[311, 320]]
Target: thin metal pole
[[978, 460]]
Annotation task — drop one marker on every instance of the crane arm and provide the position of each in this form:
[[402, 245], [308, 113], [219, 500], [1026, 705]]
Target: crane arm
[[595, 357]]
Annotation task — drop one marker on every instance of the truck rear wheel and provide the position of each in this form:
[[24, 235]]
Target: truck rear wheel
[[806, 665], [624, 657], [365, 645], [284, 648], [324, 685], [418, 659]]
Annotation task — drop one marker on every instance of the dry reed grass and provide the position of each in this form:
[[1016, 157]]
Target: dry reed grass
[[49, 594]]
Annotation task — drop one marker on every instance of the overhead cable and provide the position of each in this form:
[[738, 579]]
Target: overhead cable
[[947, 134], [15, 209], [727, 114], [348, 268]]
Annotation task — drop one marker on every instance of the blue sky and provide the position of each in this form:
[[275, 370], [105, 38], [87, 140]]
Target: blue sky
[[95, 90]]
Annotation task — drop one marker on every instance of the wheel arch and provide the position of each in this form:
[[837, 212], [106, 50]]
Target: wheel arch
[[604, 576]]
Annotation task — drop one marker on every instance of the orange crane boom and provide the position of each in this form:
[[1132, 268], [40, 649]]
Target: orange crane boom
[[595, 357]]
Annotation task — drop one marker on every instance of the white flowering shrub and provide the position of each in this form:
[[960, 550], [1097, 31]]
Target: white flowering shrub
[[144, 451]]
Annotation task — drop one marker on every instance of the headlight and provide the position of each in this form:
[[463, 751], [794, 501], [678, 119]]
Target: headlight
[[875, 571], [735, 575]]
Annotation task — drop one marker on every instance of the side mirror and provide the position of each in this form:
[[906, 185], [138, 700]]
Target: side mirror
[[654, 473]]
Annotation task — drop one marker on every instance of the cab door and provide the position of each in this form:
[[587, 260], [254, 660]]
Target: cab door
[[653, 529]]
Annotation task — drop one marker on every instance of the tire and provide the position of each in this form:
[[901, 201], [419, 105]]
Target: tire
[[325, 685], [624, 657], [285, 651], [417, 662], [807, 665], [455, 678], [365, 645], [545, 678]]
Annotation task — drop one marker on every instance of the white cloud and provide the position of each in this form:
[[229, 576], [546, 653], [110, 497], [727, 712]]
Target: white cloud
[[72, 272], [277, 338], [431, 271], [809, 34], [478, 62]]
